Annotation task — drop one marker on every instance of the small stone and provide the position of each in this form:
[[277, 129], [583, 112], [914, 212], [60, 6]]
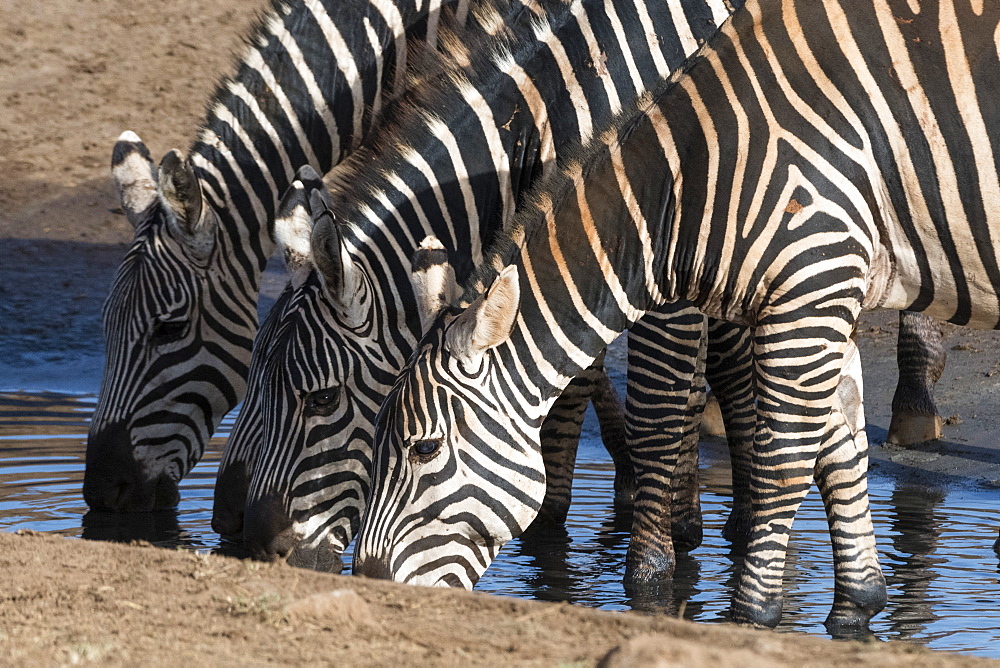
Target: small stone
[[331, 609]]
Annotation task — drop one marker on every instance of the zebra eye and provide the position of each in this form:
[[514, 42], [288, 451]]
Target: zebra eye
[[168, 331], [322, 402], [427, 447]]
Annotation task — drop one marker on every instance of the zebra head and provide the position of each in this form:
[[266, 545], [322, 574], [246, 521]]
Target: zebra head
[[164, 388], [318, 375], [456, 470]]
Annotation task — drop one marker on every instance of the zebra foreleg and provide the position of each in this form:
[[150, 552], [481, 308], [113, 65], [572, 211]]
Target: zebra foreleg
[[729, 370], [921, 357], [663, 349], [841, 475], [798, 370]]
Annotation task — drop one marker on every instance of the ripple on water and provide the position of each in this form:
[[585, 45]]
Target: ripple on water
[[935, 544]]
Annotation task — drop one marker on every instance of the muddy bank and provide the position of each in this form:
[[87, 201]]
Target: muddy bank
[[70, 601]]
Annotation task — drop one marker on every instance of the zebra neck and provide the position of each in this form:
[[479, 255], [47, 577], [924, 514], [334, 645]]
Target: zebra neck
[[603, 243]]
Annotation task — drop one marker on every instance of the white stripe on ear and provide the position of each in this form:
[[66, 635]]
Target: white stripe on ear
[[488, 321], [433, 280]]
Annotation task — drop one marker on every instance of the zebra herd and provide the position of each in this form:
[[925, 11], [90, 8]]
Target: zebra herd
[[511, 184]]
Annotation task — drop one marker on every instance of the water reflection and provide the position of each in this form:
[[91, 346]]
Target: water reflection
[[935, 541], [161, 528]]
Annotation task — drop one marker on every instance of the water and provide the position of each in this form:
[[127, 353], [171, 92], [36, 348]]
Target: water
[[935, 543]]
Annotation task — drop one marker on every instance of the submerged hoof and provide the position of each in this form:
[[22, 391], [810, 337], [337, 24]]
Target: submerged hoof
[[648, 567], [765, 614], [687, 536]]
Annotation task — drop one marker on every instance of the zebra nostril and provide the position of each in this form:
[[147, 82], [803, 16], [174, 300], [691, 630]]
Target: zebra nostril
[[267, 529], [230, 499]]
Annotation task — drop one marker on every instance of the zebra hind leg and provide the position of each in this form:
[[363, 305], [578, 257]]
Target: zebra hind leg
[[560, 437], [686, 523], [729, 369], [921, 357], [611, 416], [802, 429]]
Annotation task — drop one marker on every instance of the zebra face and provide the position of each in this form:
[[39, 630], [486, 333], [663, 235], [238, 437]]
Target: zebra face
[[171, 372], [317, 393], [456, 472], [301, 448]]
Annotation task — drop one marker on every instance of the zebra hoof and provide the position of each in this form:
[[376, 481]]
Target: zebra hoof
[[853, 608], [644, 568], [910, 428], [624, 488], [687, 536], [737, 530], [848, 624], [323, 559], [765, 614]]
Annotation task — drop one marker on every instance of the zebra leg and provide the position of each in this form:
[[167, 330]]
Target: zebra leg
[[560, 437], [729, 368], [611, 416], [920, 356], [841, 475], [686, 526], [662, 358], [798, 370]]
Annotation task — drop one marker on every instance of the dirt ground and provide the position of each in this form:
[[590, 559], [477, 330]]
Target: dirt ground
[[72, 78], [68, 601]]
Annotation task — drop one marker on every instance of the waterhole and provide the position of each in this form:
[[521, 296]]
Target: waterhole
[[935, 542]]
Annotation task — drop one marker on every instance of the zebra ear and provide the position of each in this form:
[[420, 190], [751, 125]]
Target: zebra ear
[[488, 321], [342, 277], [433, 280], [181, 192], [293, 229], [134, 174]]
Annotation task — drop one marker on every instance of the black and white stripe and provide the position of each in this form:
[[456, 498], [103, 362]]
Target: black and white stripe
[[451, 163], [818, 158], [181, 314]]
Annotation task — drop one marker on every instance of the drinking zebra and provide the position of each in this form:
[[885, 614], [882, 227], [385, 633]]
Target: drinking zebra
[[817, 158], [453, 161], [180, 317]]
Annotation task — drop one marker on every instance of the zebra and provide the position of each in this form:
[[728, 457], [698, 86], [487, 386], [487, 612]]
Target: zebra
[[815, 159], [180, 316], [495, 120], [320, 256]]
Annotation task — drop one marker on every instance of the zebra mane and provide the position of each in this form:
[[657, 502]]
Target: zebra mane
[[434, 79], [250, 39], [552, 191]]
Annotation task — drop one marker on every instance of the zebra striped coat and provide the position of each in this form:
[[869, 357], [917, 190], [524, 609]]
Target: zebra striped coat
[[818, 158], [180, 317], [452, 164]]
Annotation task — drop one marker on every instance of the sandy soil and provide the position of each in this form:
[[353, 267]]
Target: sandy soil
[[72, 77], [69, 601]]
